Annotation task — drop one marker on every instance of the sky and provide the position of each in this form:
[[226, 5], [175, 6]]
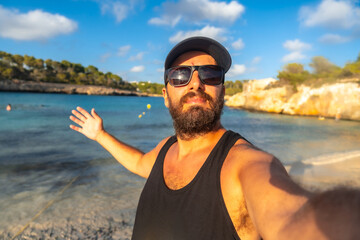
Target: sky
[[132, 38]]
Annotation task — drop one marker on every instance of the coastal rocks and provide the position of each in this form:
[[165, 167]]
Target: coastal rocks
[[338, 100], [42, 87], [256, 97]]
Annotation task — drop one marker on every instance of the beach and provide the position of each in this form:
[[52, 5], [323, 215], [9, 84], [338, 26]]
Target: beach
[[60, 185]]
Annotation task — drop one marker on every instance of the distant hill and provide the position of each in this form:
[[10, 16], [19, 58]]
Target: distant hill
[[29, 68]]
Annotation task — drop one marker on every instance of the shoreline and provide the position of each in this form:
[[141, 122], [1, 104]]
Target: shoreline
[[17, 85]]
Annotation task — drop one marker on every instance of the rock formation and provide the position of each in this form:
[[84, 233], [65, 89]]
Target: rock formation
[[337, 100]]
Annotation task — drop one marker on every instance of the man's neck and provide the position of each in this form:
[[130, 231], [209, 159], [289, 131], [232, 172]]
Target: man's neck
[[202, 141]]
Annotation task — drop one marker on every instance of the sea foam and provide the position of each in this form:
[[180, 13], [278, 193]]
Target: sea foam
[[332, 158]]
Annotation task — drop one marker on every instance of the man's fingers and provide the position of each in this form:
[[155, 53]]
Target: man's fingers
[[95, 115], [77, 121], [78, 115], [76, 128], [83, 112]]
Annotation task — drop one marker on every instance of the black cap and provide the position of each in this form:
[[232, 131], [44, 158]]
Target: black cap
[[203, 44]]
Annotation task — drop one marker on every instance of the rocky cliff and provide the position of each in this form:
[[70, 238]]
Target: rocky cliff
[[338, 100], [31, 86]]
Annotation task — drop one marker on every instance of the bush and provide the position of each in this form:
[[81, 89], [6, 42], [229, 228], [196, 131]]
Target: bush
[[151, 88], [294, 74], [232, 88]]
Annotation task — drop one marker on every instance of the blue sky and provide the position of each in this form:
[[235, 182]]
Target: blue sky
[[132, 38]]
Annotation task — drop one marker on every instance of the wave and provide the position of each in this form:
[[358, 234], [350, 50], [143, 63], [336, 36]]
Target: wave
[[331, 158]]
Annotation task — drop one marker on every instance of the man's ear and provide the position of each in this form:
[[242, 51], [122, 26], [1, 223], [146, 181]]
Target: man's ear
[[166, 99]]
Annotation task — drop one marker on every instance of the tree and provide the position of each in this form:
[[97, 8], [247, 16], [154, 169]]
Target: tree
[[29, 61], [78, 68], [48, 65], [8, 73], [57, 66], [66, 64], [294, 68], [351, 69], [62, 77], [19, 60], [294, 74], [3, 54], [39, 63], [321, 65], [232, 88], [91, 69]]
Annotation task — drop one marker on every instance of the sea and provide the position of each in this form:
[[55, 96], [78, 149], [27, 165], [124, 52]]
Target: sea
[[57, 184]]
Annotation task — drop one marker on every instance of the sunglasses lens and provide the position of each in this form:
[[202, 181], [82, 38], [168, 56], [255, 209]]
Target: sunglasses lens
[[211, 75], [178, 76]]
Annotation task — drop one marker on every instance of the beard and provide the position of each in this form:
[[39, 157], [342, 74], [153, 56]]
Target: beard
[[196, 120]]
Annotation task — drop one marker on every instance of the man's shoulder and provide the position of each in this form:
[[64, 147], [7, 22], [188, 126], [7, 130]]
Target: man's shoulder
[[244, 152]]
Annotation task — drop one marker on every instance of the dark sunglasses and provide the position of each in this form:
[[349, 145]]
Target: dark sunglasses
[[181, 75]]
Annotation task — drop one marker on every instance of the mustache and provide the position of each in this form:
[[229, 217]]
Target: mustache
[[199, 94]]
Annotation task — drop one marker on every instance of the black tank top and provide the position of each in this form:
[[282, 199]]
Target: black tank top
[[196, 211]]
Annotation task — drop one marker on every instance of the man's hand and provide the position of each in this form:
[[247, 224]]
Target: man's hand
[[91, 125]]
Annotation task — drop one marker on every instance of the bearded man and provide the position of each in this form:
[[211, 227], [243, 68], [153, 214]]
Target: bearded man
[[207, 182]]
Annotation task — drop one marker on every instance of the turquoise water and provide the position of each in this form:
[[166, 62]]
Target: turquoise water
[[40, 154]]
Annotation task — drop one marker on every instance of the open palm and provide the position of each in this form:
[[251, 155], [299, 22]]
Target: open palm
[[91, 125]]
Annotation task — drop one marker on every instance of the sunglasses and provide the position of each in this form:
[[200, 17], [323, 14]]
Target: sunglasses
[[181, 75]]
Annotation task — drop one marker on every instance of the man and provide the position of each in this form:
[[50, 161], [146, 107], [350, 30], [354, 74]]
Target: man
[[209, 183]]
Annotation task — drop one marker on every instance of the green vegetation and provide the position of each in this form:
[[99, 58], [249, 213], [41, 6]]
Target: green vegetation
[[33, 69], [232, 88], [323, 71], [147, 87]]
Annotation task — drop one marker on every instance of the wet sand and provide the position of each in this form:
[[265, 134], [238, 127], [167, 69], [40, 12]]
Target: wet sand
[[101, 212], [103, 209]]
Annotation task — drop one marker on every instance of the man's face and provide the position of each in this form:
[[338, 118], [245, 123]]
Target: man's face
[[196, 107]]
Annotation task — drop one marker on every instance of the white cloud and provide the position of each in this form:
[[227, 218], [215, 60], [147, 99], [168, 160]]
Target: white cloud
[[236, 69], [334, 39], [165, 20], [196, 11], [296, 45], [119, 9], [104, 57], [33, 25], [123, 50], [342, 14], [256, 60], [293, 56], [140, 68], [296, 48], [207, 31], [137, 57], [238, 45]]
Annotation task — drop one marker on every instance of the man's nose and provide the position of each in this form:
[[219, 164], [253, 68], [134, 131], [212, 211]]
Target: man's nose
[[195, 82]]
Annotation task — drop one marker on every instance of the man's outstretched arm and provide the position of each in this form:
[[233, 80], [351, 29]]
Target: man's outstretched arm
[[281, 209], [91, 125]]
